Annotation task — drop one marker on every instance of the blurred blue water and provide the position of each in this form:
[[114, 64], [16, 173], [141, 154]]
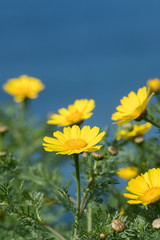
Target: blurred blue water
[[80, 49]]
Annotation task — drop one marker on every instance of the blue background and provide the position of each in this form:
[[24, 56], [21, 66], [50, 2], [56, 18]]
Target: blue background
[[80, 49]]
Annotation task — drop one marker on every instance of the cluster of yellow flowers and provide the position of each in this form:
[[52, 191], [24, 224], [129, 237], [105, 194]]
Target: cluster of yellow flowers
[[74, 140], [133, 132]]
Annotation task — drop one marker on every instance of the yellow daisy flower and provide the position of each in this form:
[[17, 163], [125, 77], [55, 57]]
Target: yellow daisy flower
[[75, 114], [23, 87], [132, 106], [154, 85], [74, 140], [127, 173], [145, 189], [136, 131]]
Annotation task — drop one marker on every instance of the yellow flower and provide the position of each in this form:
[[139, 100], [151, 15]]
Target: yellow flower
[[136, 131], [74, 140], [132, 106], [122, 211], [127, 173], [145, 189], [75, 114], [23, 87], [154, 85]]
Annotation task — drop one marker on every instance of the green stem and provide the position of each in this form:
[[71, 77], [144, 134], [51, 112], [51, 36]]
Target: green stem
[[84, 196], [144, 162], [89, 218], [89, 215], [152, 119], [24, 108], [76, 162], [57, 234], [1, 143]]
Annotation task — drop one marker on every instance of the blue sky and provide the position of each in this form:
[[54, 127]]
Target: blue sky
[[80, 49]]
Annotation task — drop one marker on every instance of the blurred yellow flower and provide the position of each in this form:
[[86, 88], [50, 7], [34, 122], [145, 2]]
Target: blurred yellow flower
[[127, 173], [132, 106], [74, 140], [154, 85], [23, 87], [145, 188], [75, 114], [136, 131], [122, 212]]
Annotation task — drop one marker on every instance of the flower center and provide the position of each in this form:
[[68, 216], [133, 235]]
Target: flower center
[[75, 117], [151, 196], [75, 144]]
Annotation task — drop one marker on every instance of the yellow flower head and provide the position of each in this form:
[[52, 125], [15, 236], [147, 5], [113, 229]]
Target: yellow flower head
[[136, 131], [145, 189], [74, 140], [75, 114], [154, 85], [127, 173], [23, 87], [132, 106]]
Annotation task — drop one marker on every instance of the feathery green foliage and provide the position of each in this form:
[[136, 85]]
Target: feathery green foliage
[[38, 198]]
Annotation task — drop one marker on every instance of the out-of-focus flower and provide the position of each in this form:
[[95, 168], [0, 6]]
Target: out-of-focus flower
[[122, 212], [23, 87], [154, 85], [136, 131], [132, 107], [127, 173], [74, 140], [145, 189], [3, 128], [75, 114]]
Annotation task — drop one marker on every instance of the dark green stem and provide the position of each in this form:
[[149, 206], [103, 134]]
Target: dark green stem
[[89, 215], [76, 162], [152, 119], [24, 108]]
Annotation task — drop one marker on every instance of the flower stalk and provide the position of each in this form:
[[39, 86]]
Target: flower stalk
[[89, 215], [152, 119], [77, 217]]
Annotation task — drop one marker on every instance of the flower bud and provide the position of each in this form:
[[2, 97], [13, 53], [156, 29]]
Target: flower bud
[[84, 154], [156, 223], [85, 210], [97, 156], [3, 128], [154, 85], [139, 139], [2, 154], [128, 126], [118, 225], [102, 236], [112, 150]]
